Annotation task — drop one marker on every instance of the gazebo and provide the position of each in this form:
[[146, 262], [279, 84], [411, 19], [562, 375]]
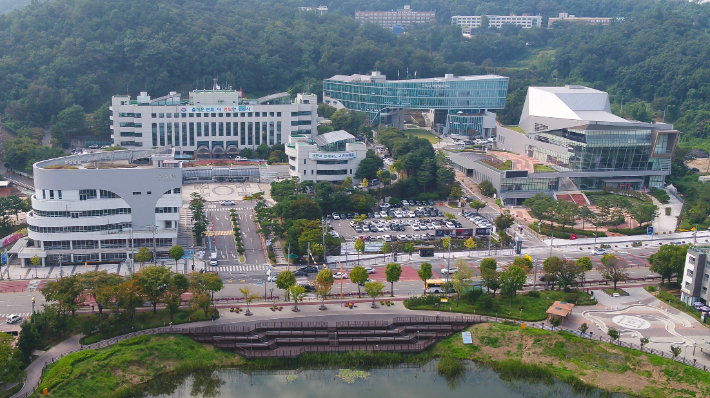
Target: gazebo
[[560, 309]]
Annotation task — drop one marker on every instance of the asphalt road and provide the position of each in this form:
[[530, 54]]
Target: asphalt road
[[223, 243]]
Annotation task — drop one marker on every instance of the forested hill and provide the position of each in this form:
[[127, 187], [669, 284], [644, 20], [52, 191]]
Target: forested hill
[[61, 53]]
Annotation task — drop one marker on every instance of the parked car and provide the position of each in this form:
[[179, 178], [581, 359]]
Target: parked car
[[599, 251], [337, 275], [370, 280], [309, 269], [299, 272]]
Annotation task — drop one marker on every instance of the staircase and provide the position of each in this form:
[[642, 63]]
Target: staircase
[[184, 237], [291, 339], [568, 191]]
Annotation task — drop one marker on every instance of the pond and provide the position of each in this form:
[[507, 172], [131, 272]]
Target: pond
[[404, 381]]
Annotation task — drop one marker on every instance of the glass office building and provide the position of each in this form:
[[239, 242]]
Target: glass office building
[[382, 99]]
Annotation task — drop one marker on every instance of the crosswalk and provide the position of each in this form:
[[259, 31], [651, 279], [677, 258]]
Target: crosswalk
[[227, 208], [237, 268], [219, 233], [22, 314]]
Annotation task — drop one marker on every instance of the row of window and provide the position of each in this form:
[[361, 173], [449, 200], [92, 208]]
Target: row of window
[[235, 114], [250, 133], [84, 194], [105, 244], [82, 213], [79, 228], [167, 210]]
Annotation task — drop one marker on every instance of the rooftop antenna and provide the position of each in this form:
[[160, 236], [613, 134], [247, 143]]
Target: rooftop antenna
[[214, 86]]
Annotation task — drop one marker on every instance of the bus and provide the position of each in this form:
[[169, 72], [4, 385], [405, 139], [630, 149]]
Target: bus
[[434, 286]]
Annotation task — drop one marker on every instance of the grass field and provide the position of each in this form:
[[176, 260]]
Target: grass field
[[421, 133], [113, 370]]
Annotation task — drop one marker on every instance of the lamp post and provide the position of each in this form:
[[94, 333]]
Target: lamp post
[[33, 312]]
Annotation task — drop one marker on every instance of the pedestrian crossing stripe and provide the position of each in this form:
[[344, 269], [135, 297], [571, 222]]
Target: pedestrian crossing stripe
[[237, 268], [22, 314], [219, 233]]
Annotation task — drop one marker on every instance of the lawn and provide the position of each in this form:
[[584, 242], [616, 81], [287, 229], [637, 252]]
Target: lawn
[[144, 320], [611, 291], [421, 133], [541, 168], [534, 308], [515, 128], [114, 370], [506, 165], [542, 355]]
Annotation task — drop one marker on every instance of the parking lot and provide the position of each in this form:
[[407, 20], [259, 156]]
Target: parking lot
[[417, 222]]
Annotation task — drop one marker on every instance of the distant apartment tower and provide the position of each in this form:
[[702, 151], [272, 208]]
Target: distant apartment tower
[[527, 21], [582, 20], [389, 19], [320, 10]]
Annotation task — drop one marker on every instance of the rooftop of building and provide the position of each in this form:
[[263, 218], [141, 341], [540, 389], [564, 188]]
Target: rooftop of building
[[377, 77], [571, 102], [333, 136], [560, 308], [121, 159]]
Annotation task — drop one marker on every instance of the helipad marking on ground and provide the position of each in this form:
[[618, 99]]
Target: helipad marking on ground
[[631, 322]]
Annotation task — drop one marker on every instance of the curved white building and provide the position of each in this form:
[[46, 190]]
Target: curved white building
[[102, 207]]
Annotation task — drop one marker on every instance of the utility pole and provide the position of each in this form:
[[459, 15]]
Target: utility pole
[[288, 259]]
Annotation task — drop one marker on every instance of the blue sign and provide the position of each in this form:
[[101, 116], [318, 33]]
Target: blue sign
[[3, 258], [649, 230], [187, 254]]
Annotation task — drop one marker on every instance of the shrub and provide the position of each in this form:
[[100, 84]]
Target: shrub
[[668, 211], [534, 294], [651, 289], [571, 298]]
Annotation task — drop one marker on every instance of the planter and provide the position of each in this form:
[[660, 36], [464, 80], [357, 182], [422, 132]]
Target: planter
[[295, 309]]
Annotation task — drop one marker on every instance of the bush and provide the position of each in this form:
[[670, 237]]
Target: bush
[[485, 302], [571, 298], [668, 211], [533, 294], [659, 194], [651, 289]]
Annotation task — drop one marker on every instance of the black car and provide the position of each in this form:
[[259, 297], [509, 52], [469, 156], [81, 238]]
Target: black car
[[300, 273], [309, 269], [373, 228], [342, 216], [431, 202], [349, 216], [370, 215], [309, 288]]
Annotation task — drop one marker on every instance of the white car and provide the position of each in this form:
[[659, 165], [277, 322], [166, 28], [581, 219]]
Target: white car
[[398, 214], [385, 205], [335, 234], [451, 270], [336, 216], [415, 227], [272, 277], [599, 251], [337, 275], [450, 225], [616, 295], [370, 270], [387, 238], [383, 214], [411, 214], [14, 318], [226, 203], [405, 203]]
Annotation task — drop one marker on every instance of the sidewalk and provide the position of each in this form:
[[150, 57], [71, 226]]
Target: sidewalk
[[702, 237]]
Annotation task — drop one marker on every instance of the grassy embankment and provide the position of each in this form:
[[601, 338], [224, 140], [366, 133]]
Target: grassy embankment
[[534, 308], [532, 354], [421, 133]]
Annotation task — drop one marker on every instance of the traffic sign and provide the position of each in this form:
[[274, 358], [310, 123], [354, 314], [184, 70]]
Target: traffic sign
[[649, 230], [293, 256], [444, 300]]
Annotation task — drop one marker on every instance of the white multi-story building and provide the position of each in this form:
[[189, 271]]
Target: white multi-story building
[[404, 17], [563, 16], [320, 10], [102, 207], [211, 123], [527, 21], [332, 156]]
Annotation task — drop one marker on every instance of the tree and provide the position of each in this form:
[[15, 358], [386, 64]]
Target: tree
[[392, 274], [584, 264], [485, 23], [491, 278], [676, 350], [212, 283], [555, 321], [644, 341], [504, 221], [297, 293], [583, 328], [409, 248], [477, 204], [366, 170], [486, 188], [35, 261], [249, 296], [386, 249], [374, 290], [66, 292], [613, 333], [359, 248], [10, 371], [317, 250], [456, 193], [524, 262], [143, 255], [566, 213], [99, 284], [470, 244], [176, 252], [359, 276], [669, 260], [201, 301], [128, 296], [177, 286], [585, 214], [285, 280], [552, 267], [28, 341], [644, 212], [153, 282], [568, 274], [324, 282], [461, 276], [425, 273], [512, 280], [611, 270]]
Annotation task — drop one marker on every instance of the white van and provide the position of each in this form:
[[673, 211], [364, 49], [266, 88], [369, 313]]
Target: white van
[[213, 259]]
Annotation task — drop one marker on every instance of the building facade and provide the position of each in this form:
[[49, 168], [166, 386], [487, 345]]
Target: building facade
[[102, 207], [211, 123], [563, 16], [464, 101], [696, 276], [527, 21], [320, 10], [388, 19], [332, 156]]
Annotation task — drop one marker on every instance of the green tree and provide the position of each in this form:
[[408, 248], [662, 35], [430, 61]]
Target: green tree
[[490, 275], [583, 328], [72, 119], [512, 280], [613, 333], [367, 169], [249, 296], [644, 341], [324, 282], [28, 341], [297, 293], [392, 274], [359, 248], [461, 277], [128, 296], [569, 273], [425, 273], [176, 252], [552, 268], [285, 280], [584, 264], [143, 255], [100, 284], [456, 193], [644, 212], [477, 204], [504, 221], [374, 290], [10, 371], [65, 292], [675, 350], [212, 283], [485, 22], [487, 188], [523, 262], [177, 286], [318, 250], [669, 260], [409, 248], [153, 282], [555, 321], [359, 276]]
